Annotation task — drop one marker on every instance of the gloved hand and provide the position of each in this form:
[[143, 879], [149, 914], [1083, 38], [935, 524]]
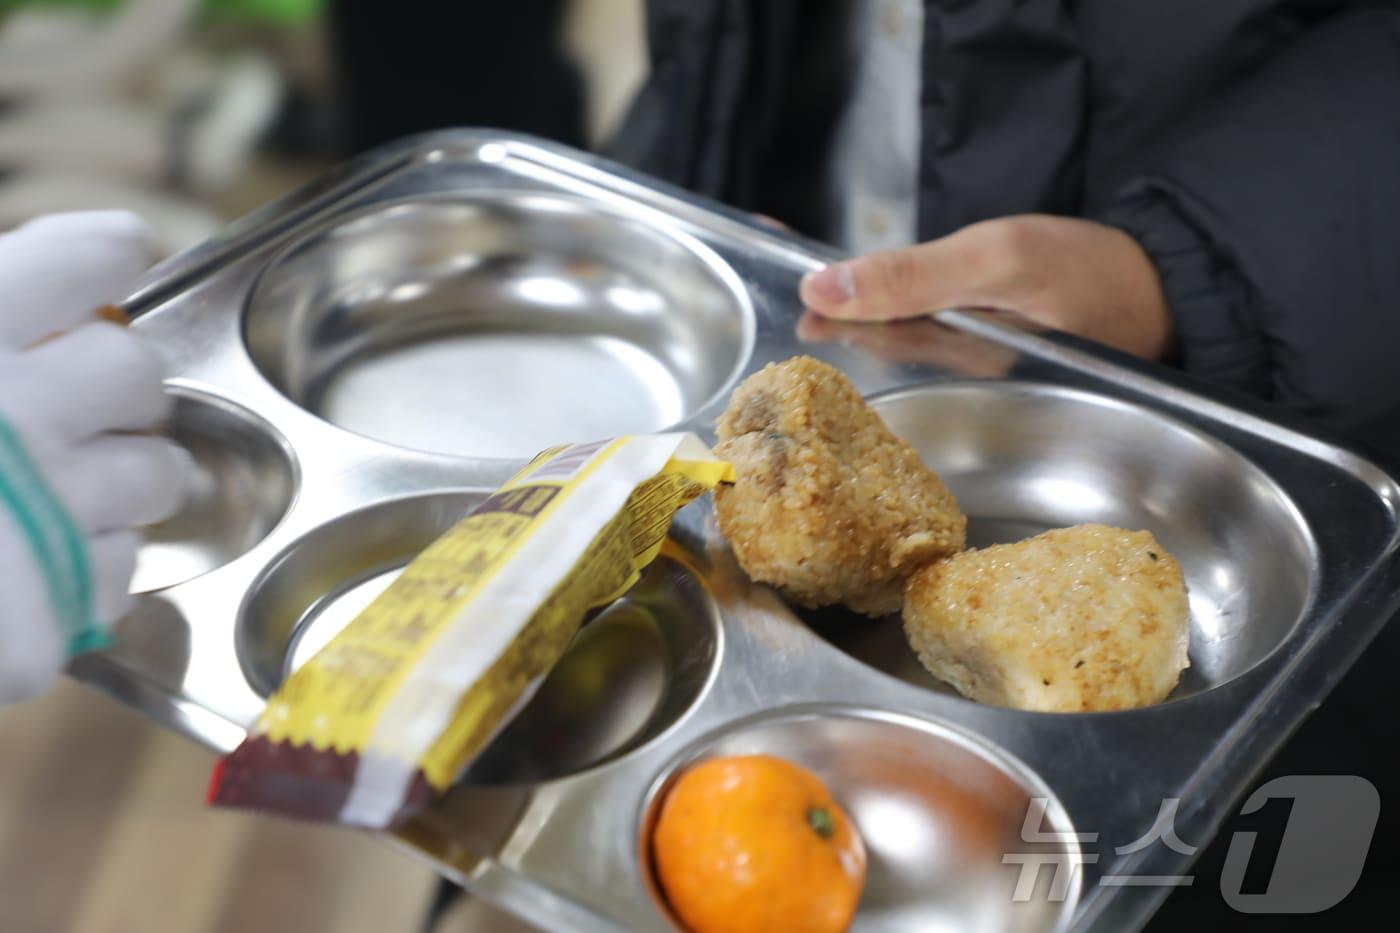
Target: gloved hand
[[72, 490]]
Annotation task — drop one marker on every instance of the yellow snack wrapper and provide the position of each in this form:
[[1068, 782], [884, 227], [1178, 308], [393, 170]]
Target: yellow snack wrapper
[[394, 707]]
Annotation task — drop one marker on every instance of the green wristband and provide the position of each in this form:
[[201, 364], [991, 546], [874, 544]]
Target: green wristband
[[58, 547]]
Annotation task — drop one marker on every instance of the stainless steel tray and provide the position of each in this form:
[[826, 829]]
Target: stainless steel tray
[[359, 363]]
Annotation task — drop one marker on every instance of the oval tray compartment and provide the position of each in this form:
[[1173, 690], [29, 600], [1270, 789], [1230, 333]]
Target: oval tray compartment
[[635, 668], [498, 326], [936, 808], [247, 484], [1022, 458]]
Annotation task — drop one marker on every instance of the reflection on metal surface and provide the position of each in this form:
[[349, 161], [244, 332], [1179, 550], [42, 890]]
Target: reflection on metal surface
[[250, 479], [657, 302], [629, 676], [918, 341], [331, 614], [469, 394], [937, 811], [495, 326]]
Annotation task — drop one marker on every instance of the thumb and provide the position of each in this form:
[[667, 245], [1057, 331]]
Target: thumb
[[887, 285], [981, 265]]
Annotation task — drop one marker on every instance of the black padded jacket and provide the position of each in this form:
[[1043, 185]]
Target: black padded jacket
[[1251, 146]]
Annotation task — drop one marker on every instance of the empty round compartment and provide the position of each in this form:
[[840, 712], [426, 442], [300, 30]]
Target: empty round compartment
[[936, 808], [633, 670], [246, 483], [498, 324], [1023, 458]]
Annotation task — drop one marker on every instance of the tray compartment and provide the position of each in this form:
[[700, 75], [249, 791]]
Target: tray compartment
[[632, 672], [1024, 457], [498, 324], [936, 808], [248, 485]]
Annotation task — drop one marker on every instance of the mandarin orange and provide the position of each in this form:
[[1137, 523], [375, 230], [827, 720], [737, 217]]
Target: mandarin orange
[[755, 844]]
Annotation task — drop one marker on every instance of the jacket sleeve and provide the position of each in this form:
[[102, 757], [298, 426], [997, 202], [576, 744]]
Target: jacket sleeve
[[1274, 223]]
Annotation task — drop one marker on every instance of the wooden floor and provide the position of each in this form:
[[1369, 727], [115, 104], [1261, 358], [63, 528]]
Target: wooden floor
[[103, 830]]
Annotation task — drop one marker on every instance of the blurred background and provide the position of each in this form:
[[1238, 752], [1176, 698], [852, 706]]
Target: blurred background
[[192, 113]]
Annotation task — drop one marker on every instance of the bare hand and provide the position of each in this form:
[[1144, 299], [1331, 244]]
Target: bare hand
[[1073, 275]]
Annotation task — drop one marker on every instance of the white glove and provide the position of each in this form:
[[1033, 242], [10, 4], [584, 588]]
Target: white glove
[[72, 492]]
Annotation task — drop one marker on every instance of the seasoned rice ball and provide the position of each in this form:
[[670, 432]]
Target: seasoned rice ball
[[828, 505], [1076, 619]]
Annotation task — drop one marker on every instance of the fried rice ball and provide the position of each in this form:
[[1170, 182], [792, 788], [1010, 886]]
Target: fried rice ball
[[1077, 619], [829, 505]]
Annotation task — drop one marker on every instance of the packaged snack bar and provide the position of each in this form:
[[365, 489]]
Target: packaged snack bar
[[390, 712]]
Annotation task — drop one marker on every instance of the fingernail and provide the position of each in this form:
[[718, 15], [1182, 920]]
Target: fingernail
[[833, 285]]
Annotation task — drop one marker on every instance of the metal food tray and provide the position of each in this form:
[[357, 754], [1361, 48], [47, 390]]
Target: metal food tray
[[477, 296]]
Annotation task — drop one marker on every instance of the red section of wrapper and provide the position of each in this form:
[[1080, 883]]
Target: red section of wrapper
[[215, 779], [297, 781]]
